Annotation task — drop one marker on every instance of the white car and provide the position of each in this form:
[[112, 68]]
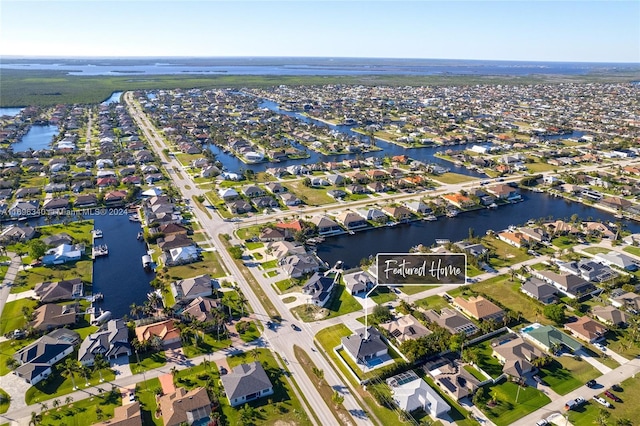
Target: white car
[[600, 346], [602, 401]]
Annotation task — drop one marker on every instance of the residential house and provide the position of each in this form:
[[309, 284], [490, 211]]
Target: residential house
[[50, 316], [181, 256], [319, 289], [190, 288], [228, 194], [336, 194], [405, 328], [325, 225], [620, 260], [539, 290], [271, 234], [363, 347], [174, 241], [412, 393], [358, 282], [453, 321], [84, 201], [630, 301], [37, 359], [48, 292], [298, 265], [252, 191], [516, 357], [351, 220], [289, 199], [503, 191], [569, 284], [201, 309], [15, 233], [246, 382], [111, 341], [479, 308], [458, 200], [57, 239], [374, 215], [516, 239], [586, 329], [548, 337], [418, 206], [265, 202], [399, 213], [537, 235], [124, 415], [610, 315], [64, 253], [275, 187], [115, 198], [185, 407], [165, 330], [281, 249], [588, 270], [452, 379]]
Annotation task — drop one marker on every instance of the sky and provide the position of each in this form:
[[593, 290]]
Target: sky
[[541, 30]]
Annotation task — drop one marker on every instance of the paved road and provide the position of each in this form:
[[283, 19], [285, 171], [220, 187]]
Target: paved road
[[9, 278]]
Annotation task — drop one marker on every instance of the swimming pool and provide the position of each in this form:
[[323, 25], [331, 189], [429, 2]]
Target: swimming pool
[[530, 327]]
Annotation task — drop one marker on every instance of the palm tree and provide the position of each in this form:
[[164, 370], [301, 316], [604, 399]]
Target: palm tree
[[35, 419], [68, 400], [70, 367], [242, 300], [174, 373], [86, 373], [55, 403], [135, 310], [623, 422], [43, 407], [255, 353], [100, 363]]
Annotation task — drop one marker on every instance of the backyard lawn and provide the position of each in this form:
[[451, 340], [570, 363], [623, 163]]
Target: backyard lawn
[[12, 317], [210, 264], [27, 280], [508, 409], [83, 412], [432, 302], [565, 374], [486, 362], [58, 385], [505, 254]]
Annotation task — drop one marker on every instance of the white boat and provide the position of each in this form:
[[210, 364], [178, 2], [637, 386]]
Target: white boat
[[146, 262], [452, 213], [390, 224], [442, 241], [97, 233], [430, 218], [492, 206], [134, 218], [101, 250]]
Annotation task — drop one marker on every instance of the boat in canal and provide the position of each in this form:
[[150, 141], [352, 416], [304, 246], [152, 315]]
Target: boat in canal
[[100, 250], [97, 233], [146, 262]]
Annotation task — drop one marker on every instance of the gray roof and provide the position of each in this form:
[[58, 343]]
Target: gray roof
[[39, 355], [110, 341], [193, 287], [60, 290], [245, 379], [359, 347], [538, 288]]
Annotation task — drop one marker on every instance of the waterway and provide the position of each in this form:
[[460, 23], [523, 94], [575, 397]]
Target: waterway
[[426, 155], [113, 99], [399, 239], [10, 112], [38, 137]]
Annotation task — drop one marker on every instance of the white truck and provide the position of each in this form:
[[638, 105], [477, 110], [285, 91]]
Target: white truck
[[574, 403]]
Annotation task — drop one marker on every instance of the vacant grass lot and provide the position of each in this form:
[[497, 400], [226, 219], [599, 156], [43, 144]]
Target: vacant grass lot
[[12, 317], [311, 196], [58, 385], [27, 280], [210, 264], [82, 412], [452, 178], [565, 374], [432, 302], [505, 254], [414, 289], [508, 409]]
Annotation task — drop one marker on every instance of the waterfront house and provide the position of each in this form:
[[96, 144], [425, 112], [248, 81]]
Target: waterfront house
[[319, 289], [115, 198], [610, 315], [172, 229], [516, 239], [418, 206], [548, 337], [111, 341], [298, 265], [56, 204], [351, 220], [458, 200], [399, 213], [166, 331], [586, 329], [172, 241], [412, 393], [280, 249], [503, 191], [479, 308], [325, 225], [453, 321], [63, 253], [538, 235], [539, 290], [374, 215], [190, 288], [185, 407], [358, 282], [181, 255], [516, 357], [48, 292], [37, 359], [14, 233], [124, 415], [407, 327], [616, 203], [598, 229], [363, 348], [57, 239], [618, 259], [27, 208], [569, 284], [50, 316], [246, 382], [271, 234]]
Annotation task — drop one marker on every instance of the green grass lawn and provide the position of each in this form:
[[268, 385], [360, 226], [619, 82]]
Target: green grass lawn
[[632, 249], [27, 280], [539, 167], [284, 285], [383, 295], [615, 341], [453, 178], [145, 394], [210, 264], [340, 303], [596, 250], [58, 385], [508, 410], [249, 232], [79, 231], [311, 196], [148, 361], [206, 343], [563, 242], [627, 409], [414, 289], [565, 374], [12, 317], [432, 302], [271, 264], [82, 412], [251, 333], [486, 362], [505, 254], [254, 246]]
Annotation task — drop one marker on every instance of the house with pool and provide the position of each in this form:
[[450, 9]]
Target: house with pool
[[548, 337]]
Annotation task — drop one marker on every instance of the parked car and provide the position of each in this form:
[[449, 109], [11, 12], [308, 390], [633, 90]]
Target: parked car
[[600, 346], [295, 327], [616, 388], [542, 422], [574, 403], [223, 371], [612, 396], [540, 381], [591, 384], [602, 401]]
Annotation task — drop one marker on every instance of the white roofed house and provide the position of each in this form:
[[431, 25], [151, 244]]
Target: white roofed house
[[412, 393], [620, 260], [374, 215], [62, 254], [228, 194], [190, 288]]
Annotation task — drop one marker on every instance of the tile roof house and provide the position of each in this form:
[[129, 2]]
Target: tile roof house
[[412, 393], [517, 356], [325, 225], [539, 290], [586, 329], [17, 233], [400, 213], [37, 358], [453, 321], [358, 282], [406, 328], [49, 292], [363, 350], [124, 415], [201, 308], [246, 382], [166, 331], [629, 300], [459, 200], [479, 308], [351, 220], [184, 407], [112, 341], [319, 288], [620, 260], [547, 336], [190, 288], [610, 315]]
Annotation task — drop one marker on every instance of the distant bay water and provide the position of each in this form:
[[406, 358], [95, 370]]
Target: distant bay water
[[306, 66]]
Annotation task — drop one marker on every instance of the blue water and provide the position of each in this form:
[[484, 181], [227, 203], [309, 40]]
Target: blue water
[[38, 137], [113, 99], [529, 328], [306, 66], [10, 112]]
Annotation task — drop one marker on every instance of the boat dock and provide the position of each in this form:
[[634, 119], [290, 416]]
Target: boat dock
[[101, 250]]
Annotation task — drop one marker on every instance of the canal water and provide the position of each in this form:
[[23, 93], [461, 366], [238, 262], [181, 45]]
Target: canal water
[[113, 99], [399, 239], [10, 112], [426, 155], [38, 137]]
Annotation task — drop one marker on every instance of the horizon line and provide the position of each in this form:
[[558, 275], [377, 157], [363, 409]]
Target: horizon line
[[125, 57]]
